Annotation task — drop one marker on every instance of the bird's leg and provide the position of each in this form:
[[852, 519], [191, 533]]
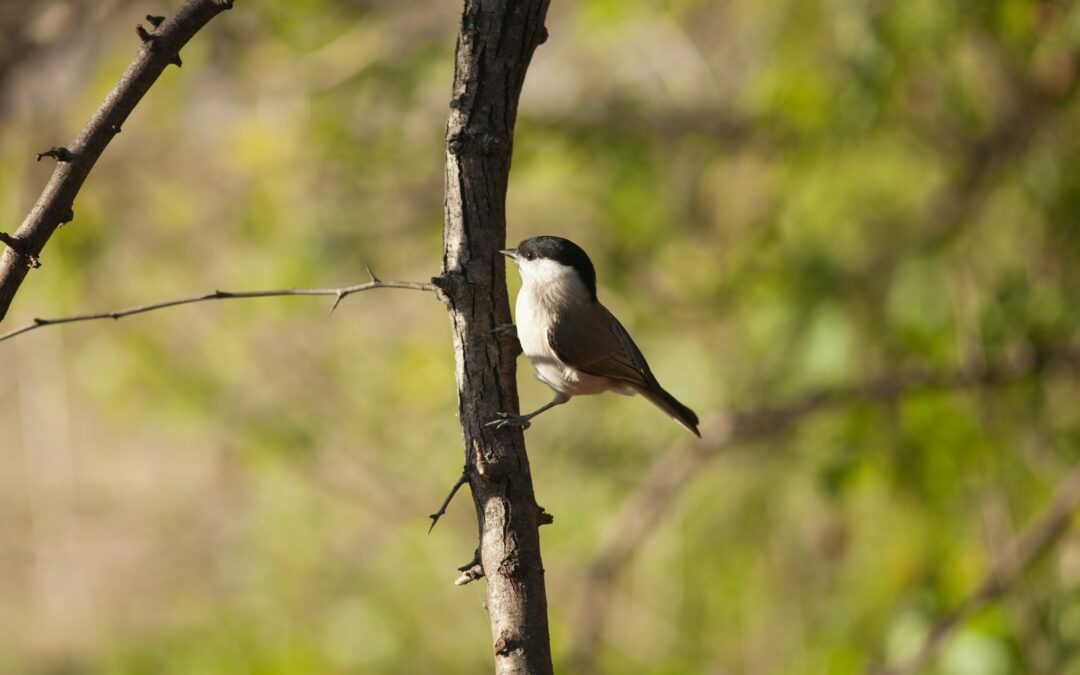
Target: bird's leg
[[507, 420]]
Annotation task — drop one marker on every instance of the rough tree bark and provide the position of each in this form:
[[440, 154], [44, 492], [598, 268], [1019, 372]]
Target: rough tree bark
[[495, 44], [160, 48]]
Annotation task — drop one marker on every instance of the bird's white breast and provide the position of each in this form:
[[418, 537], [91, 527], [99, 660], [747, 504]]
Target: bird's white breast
[[546, 292], [532, 322]]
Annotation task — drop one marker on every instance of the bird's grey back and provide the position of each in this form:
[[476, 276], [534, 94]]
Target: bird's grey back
[[590, 338]]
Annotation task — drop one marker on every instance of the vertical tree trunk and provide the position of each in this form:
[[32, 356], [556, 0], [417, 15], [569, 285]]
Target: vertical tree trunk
[[494, 47]]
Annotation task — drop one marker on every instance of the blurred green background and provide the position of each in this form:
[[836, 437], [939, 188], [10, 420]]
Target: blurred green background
[[778, 196]]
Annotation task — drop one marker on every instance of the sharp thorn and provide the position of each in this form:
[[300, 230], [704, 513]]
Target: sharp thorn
[[449, 498], [337, 301]]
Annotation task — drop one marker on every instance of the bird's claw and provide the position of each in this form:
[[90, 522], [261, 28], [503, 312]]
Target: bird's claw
[[505, 330], [507, 420]]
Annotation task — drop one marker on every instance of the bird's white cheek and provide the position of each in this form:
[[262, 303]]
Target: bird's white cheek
[[545, 272]]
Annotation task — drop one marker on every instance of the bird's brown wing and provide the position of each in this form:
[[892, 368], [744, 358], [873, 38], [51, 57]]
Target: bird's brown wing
[[594, 342]]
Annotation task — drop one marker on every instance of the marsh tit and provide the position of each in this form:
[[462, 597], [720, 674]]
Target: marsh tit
[[574, 343]]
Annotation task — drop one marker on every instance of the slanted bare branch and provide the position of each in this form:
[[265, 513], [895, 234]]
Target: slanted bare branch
[[53, 208]]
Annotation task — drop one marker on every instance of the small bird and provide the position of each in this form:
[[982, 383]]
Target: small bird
[[574, 343]]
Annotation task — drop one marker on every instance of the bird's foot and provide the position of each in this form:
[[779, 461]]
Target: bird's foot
[[507, 420], [505, 330]]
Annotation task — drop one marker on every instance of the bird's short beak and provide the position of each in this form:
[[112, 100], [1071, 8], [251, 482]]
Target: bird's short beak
[[509, 253]]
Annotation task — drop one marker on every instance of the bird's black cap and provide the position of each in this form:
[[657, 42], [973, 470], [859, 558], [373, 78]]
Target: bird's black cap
[[562, 251]]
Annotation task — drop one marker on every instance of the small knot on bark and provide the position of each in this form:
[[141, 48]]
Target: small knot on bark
[[14, 243], [487, 464], [150, 40], [510, 567], [21, 249], [446, 286], [59, 154], [467, 142], [542, 36], [506, 644]]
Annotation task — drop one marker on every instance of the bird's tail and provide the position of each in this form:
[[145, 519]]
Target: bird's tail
[[671, 405]]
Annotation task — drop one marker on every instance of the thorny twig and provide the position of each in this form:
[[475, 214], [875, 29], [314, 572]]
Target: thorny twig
[[338, 293]]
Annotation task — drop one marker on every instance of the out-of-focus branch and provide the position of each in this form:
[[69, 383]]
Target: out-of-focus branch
[[614, 118], [1035, 540], [339, 294], [951, 212], [160, 48], [33, 28], [1011, 135], [669, 475]]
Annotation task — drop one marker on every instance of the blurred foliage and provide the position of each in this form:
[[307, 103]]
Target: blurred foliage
[[778, 196]]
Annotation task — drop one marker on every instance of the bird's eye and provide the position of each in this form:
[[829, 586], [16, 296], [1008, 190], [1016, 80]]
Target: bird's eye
[[529, 256]]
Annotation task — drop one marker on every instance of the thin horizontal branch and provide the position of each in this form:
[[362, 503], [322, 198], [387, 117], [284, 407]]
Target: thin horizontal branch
[[159, 48], [669, 475], [1035, 540], [338, 293]]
